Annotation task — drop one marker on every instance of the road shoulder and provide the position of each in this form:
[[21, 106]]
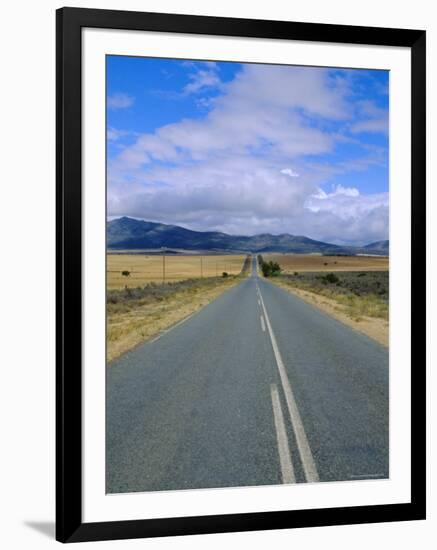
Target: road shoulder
[[375, 328], [140, 323]]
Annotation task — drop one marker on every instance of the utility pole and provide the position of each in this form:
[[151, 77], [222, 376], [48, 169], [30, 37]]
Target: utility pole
[[201, 267], [163, 265]]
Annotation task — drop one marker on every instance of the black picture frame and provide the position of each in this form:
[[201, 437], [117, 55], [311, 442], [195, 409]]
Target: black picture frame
[[69, 525]]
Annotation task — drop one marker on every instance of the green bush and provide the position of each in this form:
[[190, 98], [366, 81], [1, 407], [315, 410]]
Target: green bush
[[270, 269], [330, 278]]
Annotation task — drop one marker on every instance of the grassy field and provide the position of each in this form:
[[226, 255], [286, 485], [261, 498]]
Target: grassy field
[[364, 293], [144, 269], [291, 263], [135, 315], [359, 299]]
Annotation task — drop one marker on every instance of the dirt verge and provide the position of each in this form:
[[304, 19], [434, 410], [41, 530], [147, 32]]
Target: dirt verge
[[133, 321], [375, 328]]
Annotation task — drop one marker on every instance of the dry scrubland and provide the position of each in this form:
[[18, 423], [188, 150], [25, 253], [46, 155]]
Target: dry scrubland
[[354, 289], [144, 269], [135, 315], [312, 262]]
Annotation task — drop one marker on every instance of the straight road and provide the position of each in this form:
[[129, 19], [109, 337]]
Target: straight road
[[258, 388]]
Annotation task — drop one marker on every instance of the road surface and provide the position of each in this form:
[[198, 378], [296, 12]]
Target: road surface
[[258, 388]]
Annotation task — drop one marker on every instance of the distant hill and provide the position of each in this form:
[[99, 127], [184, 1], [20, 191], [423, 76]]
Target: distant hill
[[381, 246], [130, 234]]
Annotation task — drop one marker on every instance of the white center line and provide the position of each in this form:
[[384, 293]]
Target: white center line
[[263, 326], [306, 456], [281, 436]]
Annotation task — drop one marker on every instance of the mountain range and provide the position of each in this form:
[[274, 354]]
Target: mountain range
[[131, 234]]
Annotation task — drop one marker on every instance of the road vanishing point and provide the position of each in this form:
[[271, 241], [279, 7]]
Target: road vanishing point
[[257, 388]]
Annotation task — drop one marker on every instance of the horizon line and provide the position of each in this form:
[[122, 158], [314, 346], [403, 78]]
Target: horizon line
[[113, 218]]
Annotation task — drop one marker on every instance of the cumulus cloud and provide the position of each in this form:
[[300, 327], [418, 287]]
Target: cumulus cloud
[[203, 78], [245, 167], [258, 112], [114, 134], [322, 195], [376, 125], [375, 119], [289, 172], [349, 216], [119, 101], [313, 90]]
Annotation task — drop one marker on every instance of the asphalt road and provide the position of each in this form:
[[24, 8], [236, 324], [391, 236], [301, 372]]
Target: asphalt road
[[258, 388]]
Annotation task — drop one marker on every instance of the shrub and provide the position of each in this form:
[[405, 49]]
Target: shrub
[[330, 278], [265, 269], [275, 269], [225, 274], [270, 269], [125, 273]]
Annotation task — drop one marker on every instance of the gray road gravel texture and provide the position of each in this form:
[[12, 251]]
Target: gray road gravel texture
[[193, 409]]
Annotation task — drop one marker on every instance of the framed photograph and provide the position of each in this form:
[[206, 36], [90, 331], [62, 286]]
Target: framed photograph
[[240, 274]]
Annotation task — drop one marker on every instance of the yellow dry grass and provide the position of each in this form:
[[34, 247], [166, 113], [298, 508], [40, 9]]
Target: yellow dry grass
[[145, 269], [364, 314], [136, 322], [291, 263]]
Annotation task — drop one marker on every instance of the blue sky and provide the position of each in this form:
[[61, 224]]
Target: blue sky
[[249, 148]]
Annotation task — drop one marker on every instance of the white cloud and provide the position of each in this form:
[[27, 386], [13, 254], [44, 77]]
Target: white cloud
[[375, 119], [349, 216], [322, 195], [226, 171], [205, 102], [241, 195], [376, 125], [119, 101], [289, 172], [310, 89], [202, 79], [113, 134], [260, 111]]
